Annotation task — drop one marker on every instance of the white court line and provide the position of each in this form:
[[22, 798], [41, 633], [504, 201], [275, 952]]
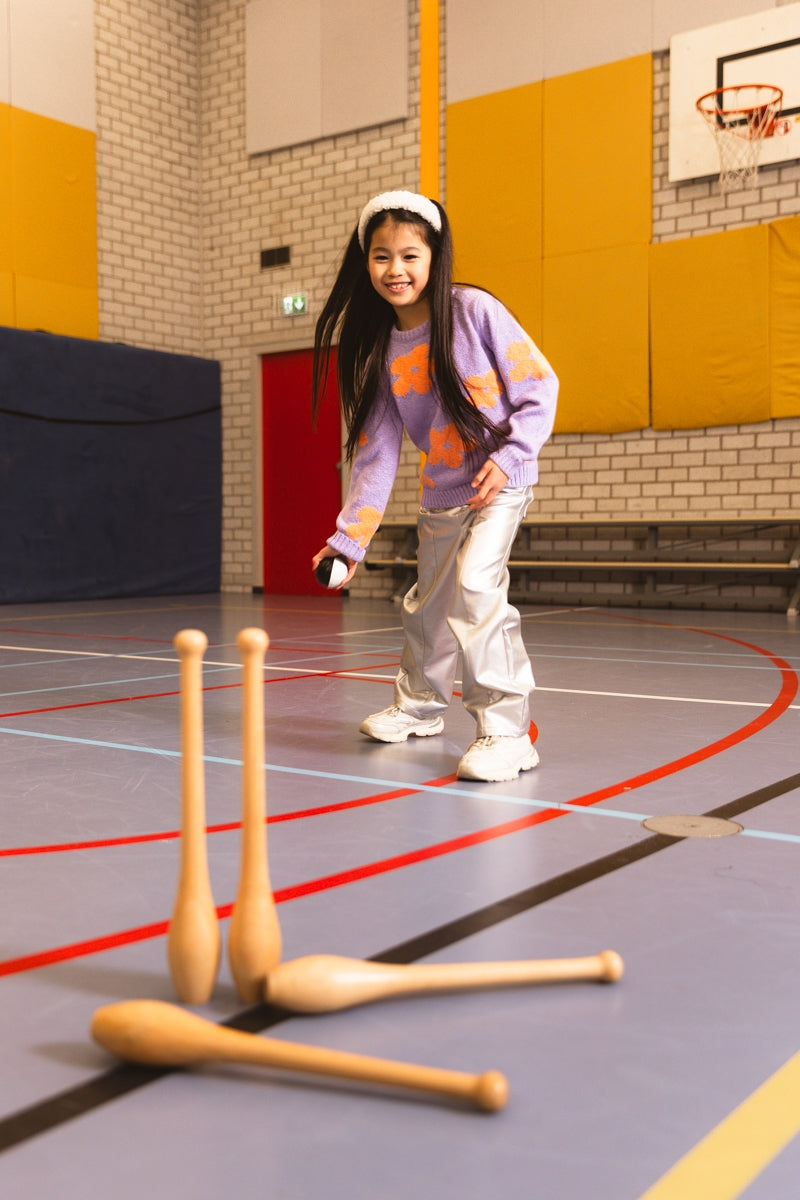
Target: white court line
[[557, 612], [354, 674], [393, 784], [160, 658], [561, 691], [645, 696], [40, 650], [361, 632], [90, 653]]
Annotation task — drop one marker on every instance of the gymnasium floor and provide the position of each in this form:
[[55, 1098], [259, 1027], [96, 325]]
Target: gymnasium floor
[[679, 1082]]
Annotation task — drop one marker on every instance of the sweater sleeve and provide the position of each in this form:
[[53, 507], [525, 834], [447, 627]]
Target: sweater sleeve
[[530, 387], [371, 480]]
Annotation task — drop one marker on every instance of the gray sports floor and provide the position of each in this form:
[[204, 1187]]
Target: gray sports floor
[[679, 1082]]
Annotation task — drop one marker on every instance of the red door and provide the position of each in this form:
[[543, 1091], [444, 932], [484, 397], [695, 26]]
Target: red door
[[302, 488]]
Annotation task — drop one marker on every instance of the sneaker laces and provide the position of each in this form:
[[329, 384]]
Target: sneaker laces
[[483, 743]]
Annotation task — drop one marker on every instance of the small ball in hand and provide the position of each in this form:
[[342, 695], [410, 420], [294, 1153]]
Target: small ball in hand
[[331, 572]]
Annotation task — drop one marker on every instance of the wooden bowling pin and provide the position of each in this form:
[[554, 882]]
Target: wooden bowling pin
[[193, 941], [327, 982], [163, 1035], [254, 942]]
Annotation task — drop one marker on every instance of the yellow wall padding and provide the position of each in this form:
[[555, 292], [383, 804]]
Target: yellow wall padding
[[56, 307], [5, 191], [784, 246], [596, 337], [709, 301], [7, 309], [494, 197], [598, 132], [54, 217]]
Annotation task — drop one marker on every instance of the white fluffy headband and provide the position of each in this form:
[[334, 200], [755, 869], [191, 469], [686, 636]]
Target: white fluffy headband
[[410, 201]]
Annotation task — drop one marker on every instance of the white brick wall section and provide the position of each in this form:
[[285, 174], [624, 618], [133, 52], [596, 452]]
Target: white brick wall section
[[148, 174]]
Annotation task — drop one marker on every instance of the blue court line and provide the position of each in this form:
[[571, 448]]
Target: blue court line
[[372, 782]]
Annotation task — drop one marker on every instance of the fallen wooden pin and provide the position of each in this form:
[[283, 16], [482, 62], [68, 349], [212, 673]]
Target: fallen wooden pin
[[327, 982], [163, 1035]]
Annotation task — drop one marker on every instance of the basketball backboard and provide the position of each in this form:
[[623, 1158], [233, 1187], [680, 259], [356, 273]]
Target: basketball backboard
[[762, 48]]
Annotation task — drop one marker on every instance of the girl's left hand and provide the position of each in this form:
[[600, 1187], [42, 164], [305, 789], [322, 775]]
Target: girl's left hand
[[489, 481], [328, 552]]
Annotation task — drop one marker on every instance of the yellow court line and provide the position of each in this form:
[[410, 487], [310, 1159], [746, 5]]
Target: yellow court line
[[730, 1157]]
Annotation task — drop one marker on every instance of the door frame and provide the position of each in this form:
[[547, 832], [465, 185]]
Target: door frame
[[304, 340]]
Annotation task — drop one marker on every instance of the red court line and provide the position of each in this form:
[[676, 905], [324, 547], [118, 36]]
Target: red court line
[[379, 798], [788, 690], [319, 651], [227, 827], [33, 712], [45, 958], [213, 687], [341, 673], [99, 637]]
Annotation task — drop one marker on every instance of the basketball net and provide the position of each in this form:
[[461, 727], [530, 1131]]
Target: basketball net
[[740, 118]]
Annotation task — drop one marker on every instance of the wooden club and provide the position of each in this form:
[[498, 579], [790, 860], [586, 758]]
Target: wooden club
[[327, 982], [193, 941], [159, 1034], [254, 941]]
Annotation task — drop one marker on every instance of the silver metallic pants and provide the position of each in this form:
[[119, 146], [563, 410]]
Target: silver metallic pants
[[460, 601]]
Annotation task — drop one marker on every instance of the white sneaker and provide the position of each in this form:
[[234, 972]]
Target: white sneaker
[[496, 759], [395, 725]]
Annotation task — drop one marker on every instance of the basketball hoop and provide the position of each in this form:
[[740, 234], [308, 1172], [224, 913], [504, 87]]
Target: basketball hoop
[[740, 118]]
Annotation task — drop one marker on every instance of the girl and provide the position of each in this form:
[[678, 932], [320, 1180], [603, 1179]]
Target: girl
[[449, 365]]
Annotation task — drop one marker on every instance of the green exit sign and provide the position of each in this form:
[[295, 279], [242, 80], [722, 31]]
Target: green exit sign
[[294, 306]]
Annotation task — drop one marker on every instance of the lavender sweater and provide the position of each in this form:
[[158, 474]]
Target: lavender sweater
[[504, 374]]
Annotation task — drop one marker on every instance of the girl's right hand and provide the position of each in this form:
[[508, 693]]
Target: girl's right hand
[[329, 552]]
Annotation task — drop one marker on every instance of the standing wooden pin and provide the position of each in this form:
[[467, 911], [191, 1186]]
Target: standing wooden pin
[[193, 942], [254, 943]]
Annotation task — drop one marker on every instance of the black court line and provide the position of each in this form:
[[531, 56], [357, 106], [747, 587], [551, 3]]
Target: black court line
[[128, 1077]]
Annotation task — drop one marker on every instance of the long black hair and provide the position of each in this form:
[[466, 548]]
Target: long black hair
[[364, 321]]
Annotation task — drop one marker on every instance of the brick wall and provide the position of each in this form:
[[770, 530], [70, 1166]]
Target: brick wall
[[148, 174]]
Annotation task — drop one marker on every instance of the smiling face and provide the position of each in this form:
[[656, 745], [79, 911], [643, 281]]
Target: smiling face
[[399, 263]]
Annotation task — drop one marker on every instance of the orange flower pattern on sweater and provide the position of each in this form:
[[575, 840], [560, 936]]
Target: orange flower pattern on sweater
[[446, 447], [363, 529], [484, 390], [528, 363], [411, 372]]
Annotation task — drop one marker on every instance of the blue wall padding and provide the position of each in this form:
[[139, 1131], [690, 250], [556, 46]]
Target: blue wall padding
[[110, 470]]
